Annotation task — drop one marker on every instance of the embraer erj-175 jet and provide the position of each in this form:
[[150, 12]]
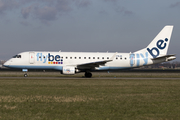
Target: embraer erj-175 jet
[[70, 63]]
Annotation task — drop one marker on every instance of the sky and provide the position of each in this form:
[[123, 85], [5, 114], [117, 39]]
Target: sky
[[85, 25]]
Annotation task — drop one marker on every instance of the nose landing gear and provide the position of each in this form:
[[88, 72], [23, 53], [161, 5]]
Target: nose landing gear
[[25, 70], [25, 75]]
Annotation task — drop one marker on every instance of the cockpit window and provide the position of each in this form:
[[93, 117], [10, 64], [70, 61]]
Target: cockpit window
[[17, 56]]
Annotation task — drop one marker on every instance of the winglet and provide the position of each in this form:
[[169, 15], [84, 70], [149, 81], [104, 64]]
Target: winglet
[[113, 56]]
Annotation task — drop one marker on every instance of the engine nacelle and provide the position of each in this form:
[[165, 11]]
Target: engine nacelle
[[67, 70]]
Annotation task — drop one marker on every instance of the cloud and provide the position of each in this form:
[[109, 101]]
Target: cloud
[[177, 4], [50, 10], [120, 9], [46, 13], [45, 10], [63, 6], [123, 11], [7, 5], [25, 23], [110, 0], [26, 11], [103, 12], [83, 3]]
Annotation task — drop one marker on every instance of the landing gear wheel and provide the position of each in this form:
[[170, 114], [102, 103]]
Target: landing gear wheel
[[25, 75], [88, 74]]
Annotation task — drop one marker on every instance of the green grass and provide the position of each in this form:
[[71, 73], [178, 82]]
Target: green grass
[[90, 99]]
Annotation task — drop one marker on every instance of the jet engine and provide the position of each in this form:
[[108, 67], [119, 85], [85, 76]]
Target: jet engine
[[68, 70]]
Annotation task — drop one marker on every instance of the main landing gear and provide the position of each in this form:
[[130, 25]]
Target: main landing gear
[[88, 74]]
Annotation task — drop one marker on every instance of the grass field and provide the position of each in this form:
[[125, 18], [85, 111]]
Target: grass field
[[90, 99]]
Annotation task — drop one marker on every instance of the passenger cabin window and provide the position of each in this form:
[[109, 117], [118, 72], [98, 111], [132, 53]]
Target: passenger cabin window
[[51, 57], [84, 57], [79, 57]]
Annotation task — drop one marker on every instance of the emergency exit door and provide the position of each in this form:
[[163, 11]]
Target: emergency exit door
[[132, 59]]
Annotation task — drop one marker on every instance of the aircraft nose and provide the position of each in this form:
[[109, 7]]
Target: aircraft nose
[[6, 64]]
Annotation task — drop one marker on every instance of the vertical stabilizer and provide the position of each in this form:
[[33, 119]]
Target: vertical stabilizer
[[159, 46]]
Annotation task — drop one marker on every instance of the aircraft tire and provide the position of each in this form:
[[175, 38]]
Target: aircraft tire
[[88, 74], [25, 75]]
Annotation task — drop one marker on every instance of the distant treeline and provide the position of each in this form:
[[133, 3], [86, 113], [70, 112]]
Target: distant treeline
[[172, 65]]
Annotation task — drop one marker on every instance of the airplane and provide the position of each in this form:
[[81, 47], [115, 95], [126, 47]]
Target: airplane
[[70, 63]]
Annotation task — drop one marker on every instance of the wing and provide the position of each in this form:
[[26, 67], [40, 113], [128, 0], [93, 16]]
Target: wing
[[92, 65]]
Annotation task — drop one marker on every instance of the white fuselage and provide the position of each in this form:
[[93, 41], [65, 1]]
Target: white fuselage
[[56, 60]]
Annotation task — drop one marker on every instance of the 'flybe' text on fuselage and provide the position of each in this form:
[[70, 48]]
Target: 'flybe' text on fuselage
[[50, 58]]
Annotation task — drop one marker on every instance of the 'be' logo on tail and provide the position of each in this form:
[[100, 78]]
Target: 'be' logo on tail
[[160, 44]]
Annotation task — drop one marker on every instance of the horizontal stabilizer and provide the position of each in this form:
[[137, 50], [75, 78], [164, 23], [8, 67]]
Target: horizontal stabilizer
[[167, 57]]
